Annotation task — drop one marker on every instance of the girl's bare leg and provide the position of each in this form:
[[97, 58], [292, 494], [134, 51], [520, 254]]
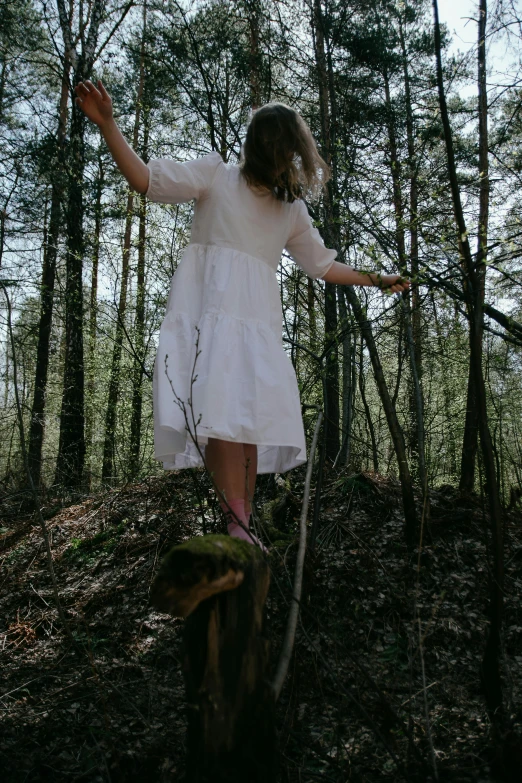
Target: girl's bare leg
[[233, 467], [226, 464]]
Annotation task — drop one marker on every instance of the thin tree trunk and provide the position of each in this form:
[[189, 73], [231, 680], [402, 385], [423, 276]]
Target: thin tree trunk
[[419, 404], [470, 440], [449, 435], [413, 222], [471, 427], [369, 422], [2, 87], [93, 322], [415, 310], [114, 382], [310, 307], [490, 671], [254, 11], [139, 347], [71, 449], [37, 422], [139, 324], [331, 236], [416, 430], [114, 378], [396, 433], [347, 384]]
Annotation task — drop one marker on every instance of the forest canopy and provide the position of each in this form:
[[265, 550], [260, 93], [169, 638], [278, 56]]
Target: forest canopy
[[87, 264]]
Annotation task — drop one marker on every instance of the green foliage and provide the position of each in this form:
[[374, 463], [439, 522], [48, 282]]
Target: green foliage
[[202, 64], [88, 549], [357, 484]]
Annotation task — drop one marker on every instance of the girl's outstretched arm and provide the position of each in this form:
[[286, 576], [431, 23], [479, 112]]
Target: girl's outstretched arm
[[97, 105], [340, 274]]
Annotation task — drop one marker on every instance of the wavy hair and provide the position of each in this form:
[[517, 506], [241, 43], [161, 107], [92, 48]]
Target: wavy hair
[[280, 154]]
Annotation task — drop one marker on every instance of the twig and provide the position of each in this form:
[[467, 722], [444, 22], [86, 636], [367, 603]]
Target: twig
[[24, 685], [403, 704], [293, 614], [193, 432]]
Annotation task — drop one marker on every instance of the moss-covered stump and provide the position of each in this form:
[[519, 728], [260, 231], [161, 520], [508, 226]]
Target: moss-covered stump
[[220, 584]]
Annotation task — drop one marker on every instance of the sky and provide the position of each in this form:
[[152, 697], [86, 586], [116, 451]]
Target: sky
[[454, 13], [503, 60]]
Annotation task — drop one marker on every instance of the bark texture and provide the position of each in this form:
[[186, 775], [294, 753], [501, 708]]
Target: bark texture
[[220, 584]]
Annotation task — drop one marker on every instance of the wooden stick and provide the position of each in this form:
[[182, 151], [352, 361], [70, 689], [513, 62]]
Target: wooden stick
[[293, 614]]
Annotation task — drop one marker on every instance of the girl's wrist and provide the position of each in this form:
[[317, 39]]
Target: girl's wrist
[[375, 279], [107, 125]]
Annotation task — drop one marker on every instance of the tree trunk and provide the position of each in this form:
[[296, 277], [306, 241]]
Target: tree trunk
[[470, 440], [114, 382], [474, 278], [114, 378], [449, 435], [253, 12], [396, 433], [348, 387], [37, 423], [331, 370], [71, 448], [416, 430], [220, 584], [310, 309], [93, 326], [139, 344], [471, 427], [369, 422], [413, 221]]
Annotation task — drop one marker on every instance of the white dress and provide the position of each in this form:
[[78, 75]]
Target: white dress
[[225, 300]]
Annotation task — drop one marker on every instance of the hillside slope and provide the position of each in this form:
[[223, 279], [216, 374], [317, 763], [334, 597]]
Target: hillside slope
[[111, 707]]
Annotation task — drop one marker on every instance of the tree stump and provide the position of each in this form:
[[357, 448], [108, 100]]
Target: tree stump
[[220, 584]]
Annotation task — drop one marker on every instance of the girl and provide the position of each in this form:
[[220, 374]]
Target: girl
[[221, 372]]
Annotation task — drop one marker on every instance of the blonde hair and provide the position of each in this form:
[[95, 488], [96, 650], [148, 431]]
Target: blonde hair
[[280, 154]]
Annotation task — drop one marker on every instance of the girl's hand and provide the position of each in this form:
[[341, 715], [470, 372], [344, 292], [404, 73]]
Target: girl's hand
[[95, 103], [393, 284]]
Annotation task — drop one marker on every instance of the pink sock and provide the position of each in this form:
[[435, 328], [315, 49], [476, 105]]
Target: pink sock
[[237, 507]]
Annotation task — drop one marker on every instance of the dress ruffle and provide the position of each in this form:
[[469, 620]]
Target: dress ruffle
[[221, 370]]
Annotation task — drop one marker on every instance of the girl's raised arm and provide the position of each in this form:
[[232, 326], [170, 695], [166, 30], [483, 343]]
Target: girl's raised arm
[[97, 105]]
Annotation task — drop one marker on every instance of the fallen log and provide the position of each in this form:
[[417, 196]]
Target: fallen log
[[220, 585]]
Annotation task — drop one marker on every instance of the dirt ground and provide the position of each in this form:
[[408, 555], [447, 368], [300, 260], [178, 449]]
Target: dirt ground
[[355, 707]]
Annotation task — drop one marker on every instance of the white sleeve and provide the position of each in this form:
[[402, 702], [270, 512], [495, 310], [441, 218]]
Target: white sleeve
[[171, 182], [306, 245]]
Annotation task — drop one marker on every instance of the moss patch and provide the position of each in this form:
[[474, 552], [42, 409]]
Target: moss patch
[[217, 546], [206, 556], [104, 542]]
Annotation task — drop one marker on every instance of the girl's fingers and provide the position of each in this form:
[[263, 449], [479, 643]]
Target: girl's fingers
[[102, 89], [91, 88]]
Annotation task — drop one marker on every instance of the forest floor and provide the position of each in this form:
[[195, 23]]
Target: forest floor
[[110, 707]]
